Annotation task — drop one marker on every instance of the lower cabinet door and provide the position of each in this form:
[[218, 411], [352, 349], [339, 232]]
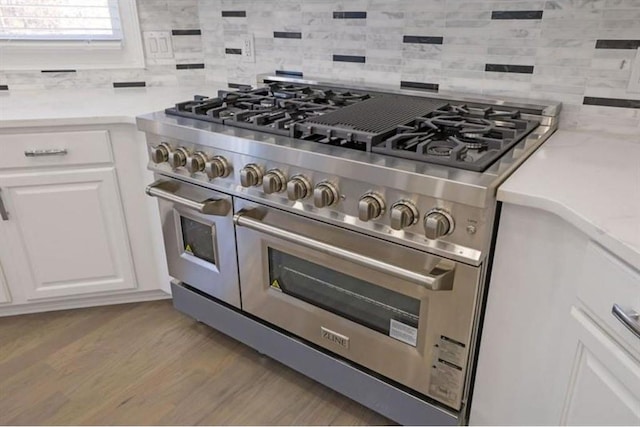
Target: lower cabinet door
[[605, 383], [66, 233]]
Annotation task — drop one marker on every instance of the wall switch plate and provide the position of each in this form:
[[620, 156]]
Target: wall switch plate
[[634, 80], [248, 52], [157, 44]]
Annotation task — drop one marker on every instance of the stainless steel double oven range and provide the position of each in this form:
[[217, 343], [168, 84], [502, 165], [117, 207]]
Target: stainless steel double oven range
[[345, 232]]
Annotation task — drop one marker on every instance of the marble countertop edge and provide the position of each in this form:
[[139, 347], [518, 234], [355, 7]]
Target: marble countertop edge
[[600, 190], [597, 233]]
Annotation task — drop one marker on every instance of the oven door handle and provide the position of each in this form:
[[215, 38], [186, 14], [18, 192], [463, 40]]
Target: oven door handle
[[441, 281], [166, 190]]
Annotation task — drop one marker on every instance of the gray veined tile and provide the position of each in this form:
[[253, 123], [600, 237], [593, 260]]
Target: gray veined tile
[[623, 4], [584, 43], [509, 77], [468, 15], [579, 4], [607, 82], [560, 88], [621, 23], [622, 14], [611, 64], [627, 54], [467, 23], [511, 51]]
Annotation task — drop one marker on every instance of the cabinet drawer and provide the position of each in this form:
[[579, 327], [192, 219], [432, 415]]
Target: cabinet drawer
[[54, 149], [607, 281]]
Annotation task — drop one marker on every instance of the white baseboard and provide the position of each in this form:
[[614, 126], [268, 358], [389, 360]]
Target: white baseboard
[[39, 307]]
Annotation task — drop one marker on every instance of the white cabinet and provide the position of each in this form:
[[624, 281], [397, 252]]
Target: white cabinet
[[69, 232], [605, 384], [80, 230], [551, 352]]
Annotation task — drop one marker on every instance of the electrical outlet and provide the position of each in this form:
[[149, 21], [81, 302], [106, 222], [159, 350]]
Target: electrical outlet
[[157, 44], [634, 80], [248, 52]]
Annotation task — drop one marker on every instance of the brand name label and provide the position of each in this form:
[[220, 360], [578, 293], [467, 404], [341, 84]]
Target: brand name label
[[334, 337]]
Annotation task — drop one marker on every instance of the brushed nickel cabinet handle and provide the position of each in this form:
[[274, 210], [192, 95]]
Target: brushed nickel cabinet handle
[[628, 318], [166, 190], [3, 211], [46, 152], [440, 282]]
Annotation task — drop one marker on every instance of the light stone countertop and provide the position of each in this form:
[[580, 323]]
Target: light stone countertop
[[59, 107], [591, 180]]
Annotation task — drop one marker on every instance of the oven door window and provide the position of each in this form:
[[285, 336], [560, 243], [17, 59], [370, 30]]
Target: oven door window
[[370, 305], [198, 239]]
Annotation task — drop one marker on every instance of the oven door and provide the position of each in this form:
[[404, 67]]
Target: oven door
[[400, 312], [199, 238]]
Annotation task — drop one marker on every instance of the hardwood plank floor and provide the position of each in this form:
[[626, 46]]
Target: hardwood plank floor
[[145, 363]]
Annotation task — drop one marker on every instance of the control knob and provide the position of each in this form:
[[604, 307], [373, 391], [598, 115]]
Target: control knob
[[403, 214], [437, 223], [178, 158], [274, 181], [325, 194], [160, 153], [196, 162], [298, 188], [251, 175], [370, 206], [217, 167]]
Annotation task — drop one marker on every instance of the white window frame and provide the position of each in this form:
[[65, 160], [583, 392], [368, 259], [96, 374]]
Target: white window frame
[[79, 54]]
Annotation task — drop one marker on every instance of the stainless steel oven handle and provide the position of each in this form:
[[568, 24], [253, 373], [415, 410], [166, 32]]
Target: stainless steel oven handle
[[440, 282], [166, 190], [628, 318]]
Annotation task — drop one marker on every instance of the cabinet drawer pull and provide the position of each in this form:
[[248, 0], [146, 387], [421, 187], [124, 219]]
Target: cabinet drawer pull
[[628, 318], [47, 152], [3, 211]]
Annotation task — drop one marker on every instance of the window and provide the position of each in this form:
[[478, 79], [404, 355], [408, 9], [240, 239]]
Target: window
[[69, 34], [59, 20]]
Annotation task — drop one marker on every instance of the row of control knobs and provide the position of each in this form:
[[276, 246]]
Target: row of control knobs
[[437, 222], [298, 187], [403, 214], [215, 167]]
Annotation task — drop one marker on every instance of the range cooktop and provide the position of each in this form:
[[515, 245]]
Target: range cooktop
[[459, 134]]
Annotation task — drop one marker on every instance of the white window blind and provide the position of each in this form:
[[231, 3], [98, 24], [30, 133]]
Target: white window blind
[[60, 20]]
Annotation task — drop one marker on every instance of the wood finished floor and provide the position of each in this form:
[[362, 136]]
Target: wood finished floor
[[146, 364]]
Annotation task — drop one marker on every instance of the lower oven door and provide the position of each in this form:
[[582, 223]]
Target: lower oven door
[[400, 312], [199, 238]]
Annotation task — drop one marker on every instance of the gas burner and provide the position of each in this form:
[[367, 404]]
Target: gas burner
[[441, 148], [475, 145]]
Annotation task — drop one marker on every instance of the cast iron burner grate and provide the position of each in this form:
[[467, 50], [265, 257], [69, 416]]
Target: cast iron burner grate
[[462, 136], [468, 136], [274, 108]]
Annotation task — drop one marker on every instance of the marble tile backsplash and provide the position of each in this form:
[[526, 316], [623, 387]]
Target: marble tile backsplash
[[578, 52]]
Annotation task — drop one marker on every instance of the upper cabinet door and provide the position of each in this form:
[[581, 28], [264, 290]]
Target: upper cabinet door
[[67, 233], [605, 385]]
